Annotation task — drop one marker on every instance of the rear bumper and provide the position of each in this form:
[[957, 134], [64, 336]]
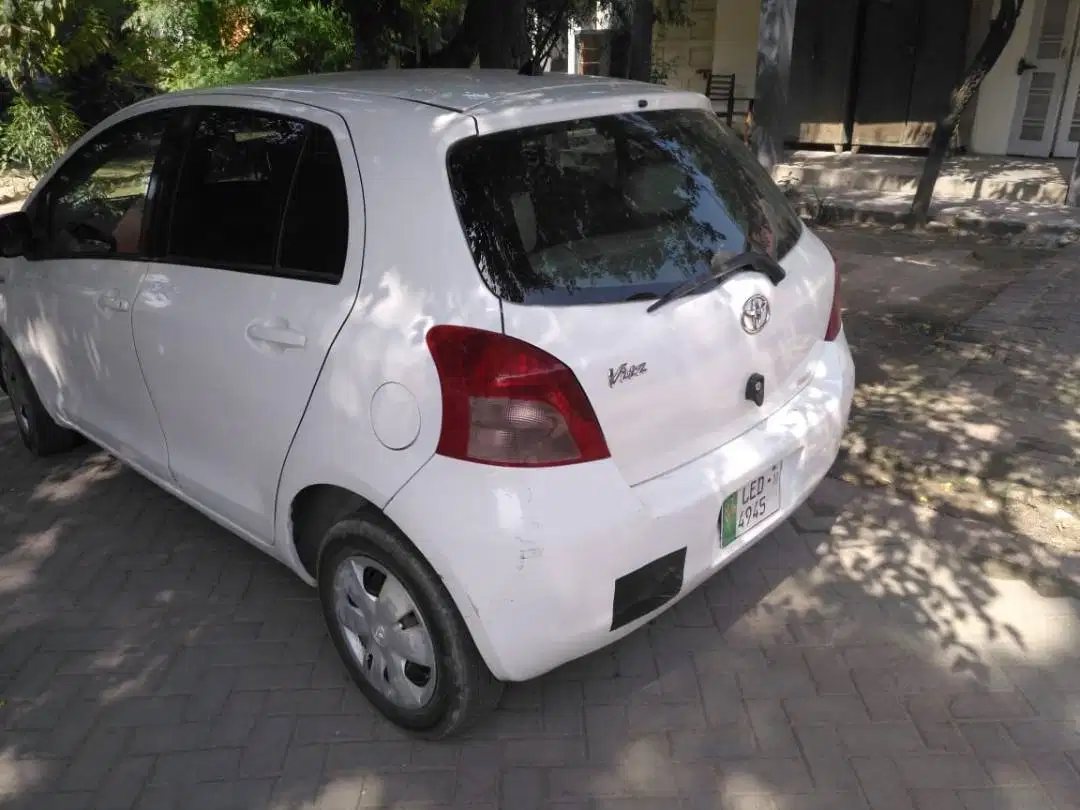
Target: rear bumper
[[538, 560]]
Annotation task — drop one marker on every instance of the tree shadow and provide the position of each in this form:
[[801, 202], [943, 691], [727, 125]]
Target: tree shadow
[[968, 378]]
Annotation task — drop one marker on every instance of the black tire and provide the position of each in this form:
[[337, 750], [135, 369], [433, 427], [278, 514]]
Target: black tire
[[465, 690], [3, 376], [41, 435]]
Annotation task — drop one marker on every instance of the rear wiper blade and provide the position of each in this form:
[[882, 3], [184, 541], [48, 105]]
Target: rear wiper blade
[[749, 262]]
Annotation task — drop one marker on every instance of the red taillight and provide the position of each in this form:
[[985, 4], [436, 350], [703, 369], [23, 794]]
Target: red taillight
[[836, 322], [508, 403]]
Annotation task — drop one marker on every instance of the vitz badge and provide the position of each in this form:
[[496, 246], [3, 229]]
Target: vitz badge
[[625, 372]]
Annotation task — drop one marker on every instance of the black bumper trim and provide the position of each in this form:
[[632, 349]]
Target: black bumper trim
[[648, 588]]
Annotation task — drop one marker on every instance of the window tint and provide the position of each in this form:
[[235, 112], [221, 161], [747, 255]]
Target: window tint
[[602, 209], [93, 206], [315, 234], [233, 187]]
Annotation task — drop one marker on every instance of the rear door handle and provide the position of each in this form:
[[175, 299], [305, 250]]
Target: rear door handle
[[278, 335], [111, 300]]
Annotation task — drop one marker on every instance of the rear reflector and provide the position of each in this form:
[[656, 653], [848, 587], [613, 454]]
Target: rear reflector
[[508, 403]]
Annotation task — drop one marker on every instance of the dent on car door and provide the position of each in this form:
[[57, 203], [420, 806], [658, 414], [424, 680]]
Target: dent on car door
[[235, 318], [85, 267]]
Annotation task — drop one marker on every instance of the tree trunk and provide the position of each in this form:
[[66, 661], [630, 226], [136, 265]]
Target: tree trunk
[[462, 49], [1001, 30], [493, 30], [1072, 198], [641, 33], [776, 31], [368, 21], [503, 40]]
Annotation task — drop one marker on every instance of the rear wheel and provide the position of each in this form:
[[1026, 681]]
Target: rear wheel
[[39, 432], [398, 631]]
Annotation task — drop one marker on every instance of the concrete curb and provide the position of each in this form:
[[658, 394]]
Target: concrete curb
[[985, 217]]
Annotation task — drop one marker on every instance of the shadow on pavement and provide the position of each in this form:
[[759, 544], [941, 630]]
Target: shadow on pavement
[[864, 655]]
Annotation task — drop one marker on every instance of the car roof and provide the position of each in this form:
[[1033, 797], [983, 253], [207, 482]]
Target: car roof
[[455, 90]]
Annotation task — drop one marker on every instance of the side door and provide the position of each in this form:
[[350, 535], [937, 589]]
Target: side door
[[259, 265], [1044, 70], [78, 284]]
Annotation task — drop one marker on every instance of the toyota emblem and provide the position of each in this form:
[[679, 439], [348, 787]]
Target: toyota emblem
[[755, 314]]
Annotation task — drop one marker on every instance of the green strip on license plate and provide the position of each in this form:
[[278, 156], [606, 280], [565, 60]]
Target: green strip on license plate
[[729, 519]]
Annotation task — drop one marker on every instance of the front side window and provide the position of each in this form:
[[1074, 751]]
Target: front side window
[[238, 175], [94, 205], [612, 208]]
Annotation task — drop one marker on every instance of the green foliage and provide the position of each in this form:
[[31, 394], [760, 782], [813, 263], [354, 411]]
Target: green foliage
[[180, 44], [106, 53], [50, 37], [432, 13], [660, 70], [46, 40], [36, 134], [404, 29]]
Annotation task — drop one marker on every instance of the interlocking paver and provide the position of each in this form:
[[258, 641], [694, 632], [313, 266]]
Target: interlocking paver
[[174, 700], [856, 659]]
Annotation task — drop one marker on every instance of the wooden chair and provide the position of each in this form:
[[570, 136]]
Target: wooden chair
[[720, 88]]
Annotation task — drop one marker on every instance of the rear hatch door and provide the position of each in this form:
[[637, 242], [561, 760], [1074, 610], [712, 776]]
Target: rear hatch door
[[579, 226]]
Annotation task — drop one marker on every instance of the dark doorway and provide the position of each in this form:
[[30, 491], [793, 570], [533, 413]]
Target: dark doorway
[[822, 60], [912, 54], [875, 73]]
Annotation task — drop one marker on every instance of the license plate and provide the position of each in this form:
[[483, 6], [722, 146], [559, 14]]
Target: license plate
[[745, 508]]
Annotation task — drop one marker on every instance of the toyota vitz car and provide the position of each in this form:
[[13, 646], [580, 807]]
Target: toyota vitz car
[[505, 365]]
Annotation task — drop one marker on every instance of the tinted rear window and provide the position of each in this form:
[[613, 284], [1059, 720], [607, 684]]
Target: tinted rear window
[[605, 209]]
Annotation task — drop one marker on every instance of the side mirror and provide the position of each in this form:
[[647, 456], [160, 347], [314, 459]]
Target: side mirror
[[16, 235]]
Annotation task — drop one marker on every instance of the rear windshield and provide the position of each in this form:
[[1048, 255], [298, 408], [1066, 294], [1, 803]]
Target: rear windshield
[[613, 208]]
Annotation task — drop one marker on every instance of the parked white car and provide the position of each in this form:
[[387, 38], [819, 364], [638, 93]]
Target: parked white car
[[505, 365]]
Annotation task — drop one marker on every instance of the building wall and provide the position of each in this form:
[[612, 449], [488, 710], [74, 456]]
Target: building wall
[[981, 13], [688, 49], [724, 36], [735, 38], [996, 104]]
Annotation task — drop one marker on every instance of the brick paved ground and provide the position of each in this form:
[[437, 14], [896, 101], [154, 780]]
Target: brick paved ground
[[149, 660], [968, 358], [859, 658]]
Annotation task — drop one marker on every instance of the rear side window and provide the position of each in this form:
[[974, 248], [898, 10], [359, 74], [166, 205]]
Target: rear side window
[[315, 235], [611, 208], [261, 192]]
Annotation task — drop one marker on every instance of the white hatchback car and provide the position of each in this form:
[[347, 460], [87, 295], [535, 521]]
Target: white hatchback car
[[506, 365]]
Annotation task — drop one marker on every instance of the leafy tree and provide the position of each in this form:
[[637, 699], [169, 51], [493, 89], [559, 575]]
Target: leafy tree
[[42, 42], [49, 38], [400, 29], [179, 44], [36, 133], [491, 33]]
